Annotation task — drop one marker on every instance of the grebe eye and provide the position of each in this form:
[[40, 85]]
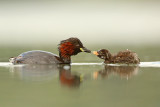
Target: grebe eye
[[101, 52], [77, 45]]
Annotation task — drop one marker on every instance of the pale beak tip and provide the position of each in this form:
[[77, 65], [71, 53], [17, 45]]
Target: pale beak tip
[[95, 53]]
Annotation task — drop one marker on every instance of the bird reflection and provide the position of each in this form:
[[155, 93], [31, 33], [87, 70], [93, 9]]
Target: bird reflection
[[43, 73], [122, 71], [69, 79], [35, 73]]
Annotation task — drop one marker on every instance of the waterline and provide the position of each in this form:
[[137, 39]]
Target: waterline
[[142, 64]]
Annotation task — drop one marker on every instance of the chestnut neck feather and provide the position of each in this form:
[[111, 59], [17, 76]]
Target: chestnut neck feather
[[65, 51]]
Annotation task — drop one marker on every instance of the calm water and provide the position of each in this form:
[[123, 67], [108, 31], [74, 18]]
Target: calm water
[[80, 85]]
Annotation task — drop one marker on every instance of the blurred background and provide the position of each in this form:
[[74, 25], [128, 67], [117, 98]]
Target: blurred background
[[97, 23]]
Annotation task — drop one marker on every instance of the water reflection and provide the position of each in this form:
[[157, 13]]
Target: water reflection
[[121, 71], [35, 72], [69, 79], [43, 73]]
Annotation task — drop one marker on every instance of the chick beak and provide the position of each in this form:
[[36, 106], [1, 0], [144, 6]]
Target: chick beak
[[95, 53], [85, 50]]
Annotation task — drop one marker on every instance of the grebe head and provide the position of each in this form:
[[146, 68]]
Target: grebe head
[[103, 54], [71, 46]]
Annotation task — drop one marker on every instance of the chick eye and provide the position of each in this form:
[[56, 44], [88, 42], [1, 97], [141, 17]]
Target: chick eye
[[101, 52]]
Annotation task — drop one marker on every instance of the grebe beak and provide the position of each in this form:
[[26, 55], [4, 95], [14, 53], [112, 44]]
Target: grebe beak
[[85, 50], [95, 53]]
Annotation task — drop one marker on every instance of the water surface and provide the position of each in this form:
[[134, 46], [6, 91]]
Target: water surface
[[86, 83]]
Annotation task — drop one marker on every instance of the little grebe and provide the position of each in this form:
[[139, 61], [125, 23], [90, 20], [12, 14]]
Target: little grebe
[[123, 57], [67, 48]]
